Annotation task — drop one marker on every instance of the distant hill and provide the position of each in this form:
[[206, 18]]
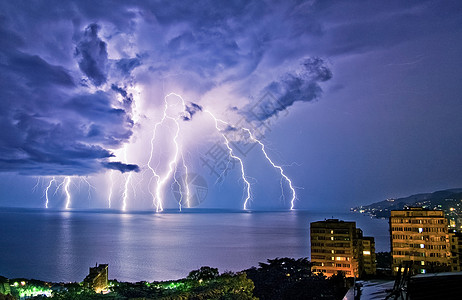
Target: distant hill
[[448, 200]]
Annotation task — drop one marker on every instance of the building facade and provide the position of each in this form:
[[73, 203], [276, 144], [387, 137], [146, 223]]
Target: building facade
[[369, 257], [97, 280], [339, 246], [419, 239], [455, 241]]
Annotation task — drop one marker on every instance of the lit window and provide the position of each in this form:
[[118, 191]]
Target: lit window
[[422, 263], [420, 230], [422, 246], [366, 252]]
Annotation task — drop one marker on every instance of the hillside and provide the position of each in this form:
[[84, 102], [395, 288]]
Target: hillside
[[448, 200]]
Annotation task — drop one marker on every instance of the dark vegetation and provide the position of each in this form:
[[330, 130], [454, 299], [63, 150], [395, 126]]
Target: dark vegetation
[[280, 278], [288, 278]]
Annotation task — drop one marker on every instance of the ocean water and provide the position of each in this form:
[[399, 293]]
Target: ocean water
[[61, 246]]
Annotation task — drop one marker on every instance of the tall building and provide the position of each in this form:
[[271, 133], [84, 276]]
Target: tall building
[[339, 246], [97, 280], [455, 241], [369, 258], [419, 238]]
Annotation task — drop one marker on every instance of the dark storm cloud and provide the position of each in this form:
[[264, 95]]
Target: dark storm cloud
[[127, 98], [127, 65], [300, 86], [53, 124], [121, 167], [191, 109], [92, 55], [49, 126]]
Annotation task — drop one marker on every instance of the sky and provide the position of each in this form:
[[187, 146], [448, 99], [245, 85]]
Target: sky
[[133, 104]]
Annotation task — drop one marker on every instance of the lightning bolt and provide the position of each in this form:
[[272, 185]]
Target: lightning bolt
[[175, 181], [125, 193], [111, 186], [157, 204], [231, 154], [184, 186], [67, 182], [59, 186], [36, 184], [46, 191], [162, 180], [221, 127], [262, 146], [89, 187], [186, 183], [127, 182]]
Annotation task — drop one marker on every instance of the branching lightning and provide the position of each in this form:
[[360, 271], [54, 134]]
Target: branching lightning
[[67, 183], [221, 127], [111, 186], [231, 154], [46, 191], [162, 180], [186, 183], [262, 146], [156, 202], [59, 186], [161, 176], [90, 186], [127, 182], [36, 184]]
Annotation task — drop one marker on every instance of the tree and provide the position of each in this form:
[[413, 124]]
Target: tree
[[288, 278], [204, 274]]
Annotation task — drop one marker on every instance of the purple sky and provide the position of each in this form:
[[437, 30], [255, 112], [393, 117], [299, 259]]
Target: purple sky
[[359, 101]]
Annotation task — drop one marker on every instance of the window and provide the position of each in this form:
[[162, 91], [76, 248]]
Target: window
[[365, 252], [422, 246], [420, 230]]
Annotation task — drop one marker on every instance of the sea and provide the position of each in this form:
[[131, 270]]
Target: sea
[[60, 246]]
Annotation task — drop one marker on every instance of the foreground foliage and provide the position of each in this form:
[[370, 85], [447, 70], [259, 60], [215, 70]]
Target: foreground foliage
[[288, 278], [205, 283], [280, 278]]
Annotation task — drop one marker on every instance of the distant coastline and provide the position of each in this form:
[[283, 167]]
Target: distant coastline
[[450, 201]]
